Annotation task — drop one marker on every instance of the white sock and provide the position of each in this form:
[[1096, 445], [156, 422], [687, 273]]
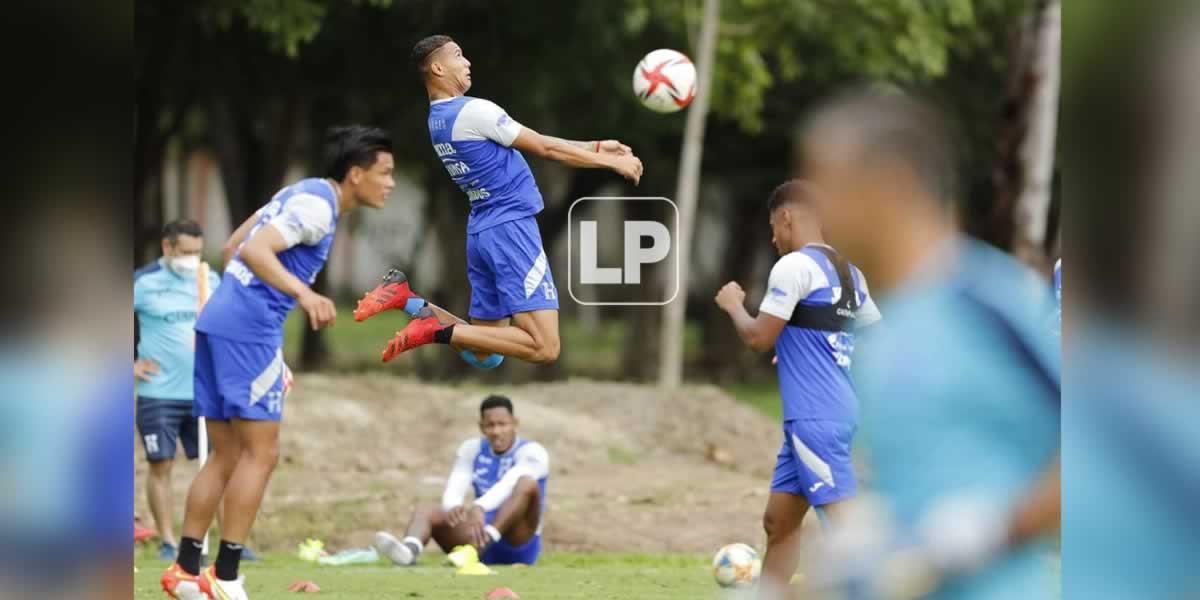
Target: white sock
[[414, 544], [492, 533]]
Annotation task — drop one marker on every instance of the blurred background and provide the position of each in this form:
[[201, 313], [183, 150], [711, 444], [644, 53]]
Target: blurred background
[[232, 96]]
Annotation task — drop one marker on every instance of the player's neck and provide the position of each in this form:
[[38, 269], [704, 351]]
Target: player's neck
[[442, 93], [345, 199]]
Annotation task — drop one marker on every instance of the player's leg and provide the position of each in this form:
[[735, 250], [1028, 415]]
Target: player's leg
[[518, 517], [156, 430], [427, 522], [781, 520], [532, 336], [207, 489]]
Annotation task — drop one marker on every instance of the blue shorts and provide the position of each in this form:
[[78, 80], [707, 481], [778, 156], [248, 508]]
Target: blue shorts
[[503, 553], [814, 461], [237, 380], [161, 422], [508, 271]]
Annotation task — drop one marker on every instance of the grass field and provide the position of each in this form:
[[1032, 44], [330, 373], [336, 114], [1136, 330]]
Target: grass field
[[558, 576]]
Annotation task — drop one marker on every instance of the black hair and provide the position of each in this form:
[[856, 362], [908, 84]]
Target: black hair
[[171, 231], [788, 192], [424, 49], [352, 146], [495, 401], [890, 125]]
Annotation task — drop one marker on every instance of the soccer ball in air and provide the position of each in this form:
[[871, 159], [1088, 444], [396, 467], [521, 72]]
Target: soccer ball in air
[[736, 565], [665, 81]]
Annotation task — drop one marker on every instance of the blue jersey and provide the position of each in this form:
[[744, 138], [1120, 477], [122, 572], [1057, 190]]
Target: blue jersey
[[1058, 297], [165, 303], [473, 139], [814, 351], [245, 308], [960, 395], [493, 476]]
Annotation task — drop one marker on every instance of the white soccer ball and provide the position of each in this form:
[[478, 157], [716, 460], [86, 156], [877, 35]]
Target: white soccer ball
[[736, 565], [665, 81]]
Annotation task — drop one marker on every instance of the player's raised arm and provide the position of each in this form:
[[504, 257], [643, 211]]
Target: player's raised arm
[[759, 333], [581, 155], [260, 254], [236, 239]]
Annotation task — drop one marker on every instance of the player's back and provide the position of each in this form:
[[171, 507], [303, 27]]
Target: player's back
[[473, 138], [247, 309], [814, 349], [960, 395]]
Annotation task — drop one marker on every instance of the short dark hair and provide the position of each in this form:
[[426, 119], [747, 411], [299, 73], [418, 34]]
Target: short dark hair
[[888, 124], [171, 231], [352, 146], [495, 401], [788, 192], [424, 49]]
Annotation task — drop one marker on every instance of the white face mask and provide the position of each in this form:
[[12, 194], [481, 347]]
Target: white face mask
[[187, 264]]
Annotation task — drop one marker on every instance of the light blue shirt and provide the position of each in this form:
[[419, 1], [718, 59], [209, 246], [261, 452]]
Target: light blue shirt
[[165, 304], [960, 395]]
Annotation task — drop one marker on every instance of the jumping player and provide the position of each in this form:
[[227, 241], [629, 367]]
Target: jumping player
[[814, 301], [514, 304], [508, 475], [239, 372]]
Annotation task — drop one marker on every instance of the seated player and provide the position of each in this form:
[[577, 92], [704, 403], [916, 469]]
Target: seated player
[[508, 475]]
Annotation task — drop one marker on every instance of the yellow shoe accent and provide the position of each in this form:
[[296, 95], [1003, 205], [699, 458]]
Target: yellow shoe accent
[[475, 568], [311, 549], [462, 556]]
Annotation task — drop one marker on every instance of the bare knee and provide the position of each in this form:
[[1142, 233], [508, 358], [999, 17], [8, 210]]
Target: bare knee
[[546, 351], [777, 526], [263, 455], [528, 487], [161, 470]]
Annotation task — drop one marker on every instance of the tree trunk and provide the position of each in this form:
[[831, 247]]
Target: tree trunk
[[1031, 212], [670, 364]]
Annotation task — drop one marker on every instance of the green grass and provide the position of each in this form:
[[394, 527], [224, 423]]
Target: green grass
[[763, 396], [557, 576]]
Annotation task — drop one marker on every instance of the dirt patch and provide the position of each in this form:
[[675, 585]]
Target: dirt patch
[[633, 468]]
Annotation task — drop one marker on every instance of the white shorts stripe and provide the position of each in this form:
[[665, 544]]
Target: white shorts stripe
[[813, 462], [265, 380], [535, 274]]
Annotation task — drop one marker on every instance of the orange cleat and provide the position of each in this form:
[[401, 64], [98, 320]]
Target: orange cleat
[[180, 584], [418, 332], [392, 292]]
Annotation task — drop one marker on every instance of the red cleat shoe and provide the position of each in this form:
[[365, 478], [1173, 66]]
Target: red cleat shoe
[[418, 332], [392, 292], [181, 585]]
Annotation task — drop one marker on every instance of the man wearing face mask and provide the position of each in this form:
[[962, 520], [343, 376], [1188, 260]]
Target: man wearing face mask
[[165, 302]]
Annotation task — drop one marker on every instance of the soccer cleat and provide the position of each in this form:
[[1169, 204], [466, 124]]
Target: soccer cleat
[[418, 332], [180, 584], [397, 551], [392, 292], [218, 589]]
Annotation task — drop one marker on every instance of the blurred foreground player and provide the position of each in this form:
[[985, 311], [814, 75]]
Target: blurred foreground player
[[508, 477], [276, 254], [960, 390]]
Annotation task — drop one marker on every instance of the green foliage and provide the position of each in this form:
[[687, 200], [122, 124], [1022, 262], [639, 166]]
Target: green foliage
[[287, 24]]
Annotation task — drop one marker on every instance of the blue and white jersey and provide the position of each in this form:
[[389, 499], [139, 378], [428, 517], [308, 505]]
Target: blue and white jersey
[[493, 476], [245, 308], [814, 360], [165, 304], [473, 139]]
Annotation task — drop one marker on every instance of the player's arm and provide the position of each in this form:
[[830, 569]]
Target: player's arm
[[458, 483], [532, 461], [759, 333], [1039, 512], [239, 235], [577, 154], [305, 219]]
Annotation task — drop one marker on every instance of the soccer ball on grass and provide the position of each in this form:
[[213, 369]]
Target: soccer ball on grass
[[736, 565]]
